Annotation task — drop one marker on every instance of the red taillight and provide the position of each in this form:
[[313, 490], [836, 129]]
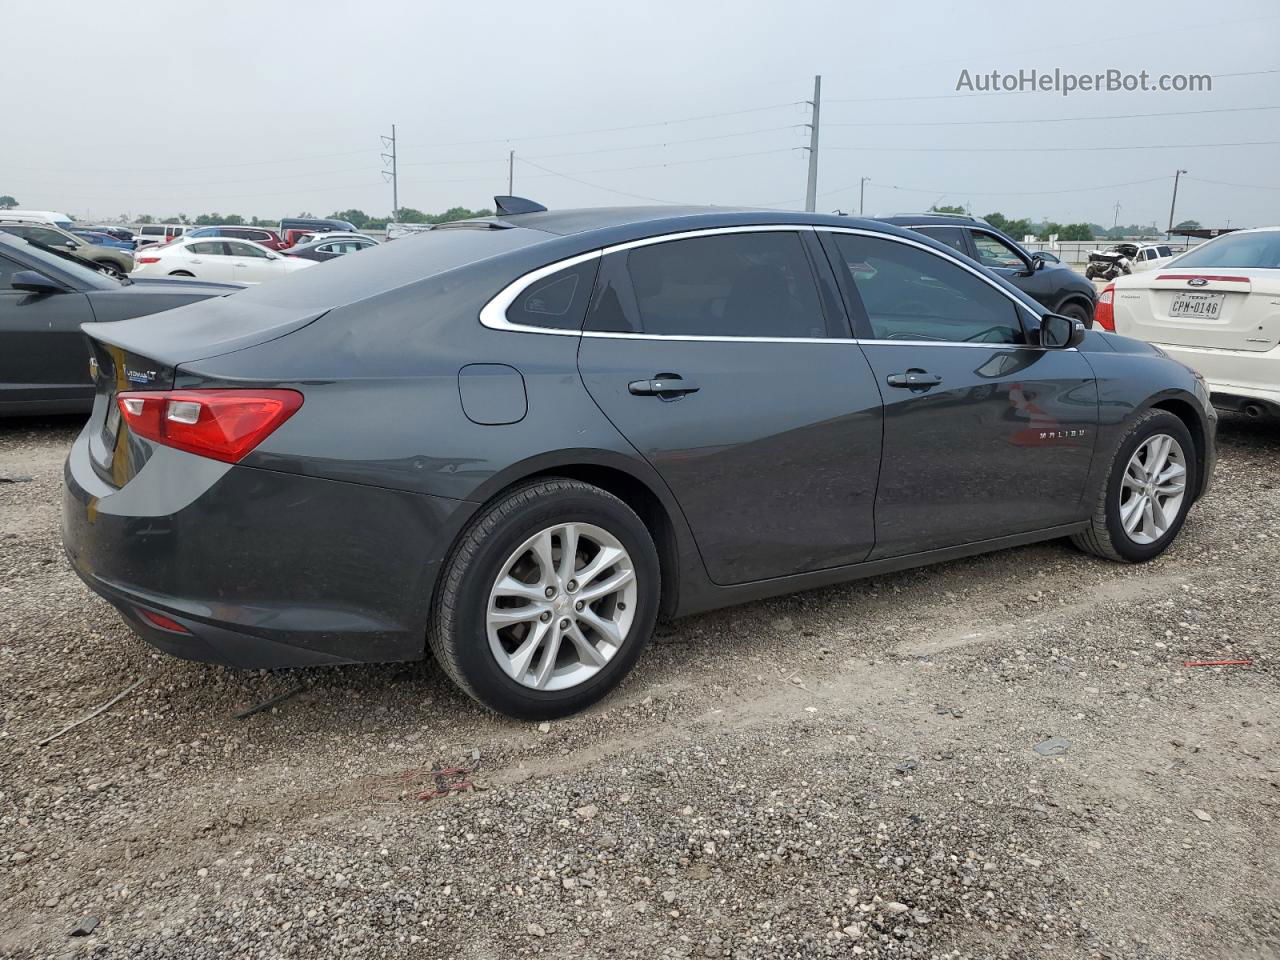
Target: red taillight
[[148, 259], [221, 424], [163, 622], [1104, 312]]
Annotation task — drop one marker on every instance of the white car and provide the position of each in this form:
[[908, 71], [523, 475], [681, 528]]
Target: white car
[[216, 258], [1151, 256], [1216, 308]]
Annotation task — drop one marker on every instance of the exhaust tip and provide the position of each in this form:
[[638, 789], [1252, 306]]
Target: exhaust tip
[[1253, 411]]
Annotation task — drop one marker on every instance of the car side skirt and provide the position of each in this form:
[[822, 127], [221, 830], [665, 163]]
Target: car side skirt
[[698, 598]]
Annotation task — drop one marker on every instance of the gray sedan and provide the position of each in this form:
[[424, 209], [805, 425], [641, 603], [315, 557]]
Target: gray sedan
[[516, 442]]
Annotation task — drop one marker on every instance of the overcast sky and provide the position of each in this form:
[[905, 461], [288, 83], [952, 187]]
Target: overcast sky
[[275, 108]]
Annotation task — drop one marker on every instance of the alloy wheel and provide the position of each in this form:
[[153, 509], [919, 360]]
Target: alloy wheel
[[1153, 488], [562, 606]]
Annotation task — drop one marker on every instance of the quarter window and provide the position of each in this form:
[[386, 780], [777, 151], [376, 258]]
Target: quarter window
[[7, 269], [911, 294], [557, 302], [729, 285], [951, 236]]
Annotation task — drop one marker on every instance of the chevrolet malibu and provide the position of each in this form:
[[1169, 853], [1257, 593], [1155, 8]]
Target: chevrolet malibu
[[516, 442]]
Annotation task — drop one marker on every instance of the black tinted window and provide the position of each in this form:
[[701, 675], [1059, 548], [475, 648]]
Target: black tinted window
[[911, 294], [558, 301], [730, 285], [7, 269], [951, 236]]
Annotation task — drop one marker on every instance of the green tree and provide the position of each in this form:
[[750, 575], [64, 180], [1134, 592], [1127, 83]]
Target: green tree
[[410, 215], [1017, 228], [357, 218], [1076, 231], [957, 210], [1188, 225], [208, 219], [146, 218], [233, 220], [7, 202]]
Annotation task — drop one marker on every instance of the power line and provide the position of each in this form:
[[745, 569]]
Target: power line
[[1224, 183], [632, 126], [1112, 116], [1007, 93], [1149, 146], [622, 193], [584, 153]]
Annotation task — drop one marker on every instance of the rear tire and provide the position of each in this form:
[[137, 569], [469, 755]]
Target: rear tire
[[511, 629], [1122, 493]]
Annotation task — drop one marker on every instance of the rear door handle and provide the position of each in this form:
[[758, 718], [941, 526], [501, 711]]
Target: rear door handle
[[666, 387], [913, 378]]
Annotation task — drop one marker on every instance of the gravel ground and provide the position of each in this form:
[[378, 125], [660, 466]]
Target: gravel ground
[[847, 772]]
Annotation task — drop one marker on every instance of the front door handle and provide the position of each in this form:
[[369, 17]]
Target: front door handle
[[920, 379], [662, 387]]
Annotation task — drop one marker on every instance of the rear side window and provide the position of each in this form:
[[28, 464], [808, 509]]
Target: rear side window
[[951, 236], [910, 294], [729, 285], [209, 248], [556, 302]]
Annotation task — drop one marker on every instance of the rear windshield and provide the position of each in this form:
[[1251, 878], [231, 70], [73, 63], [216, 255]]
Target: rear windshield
[[1259, 250]]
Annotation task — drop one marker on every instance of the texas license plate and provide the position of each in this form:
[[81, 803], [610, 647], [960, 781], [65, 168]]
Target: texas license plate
[[1206, 306]]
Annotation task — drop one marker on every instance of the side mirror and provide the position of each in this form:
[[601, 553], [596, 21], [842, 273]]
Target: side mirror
[[32, 281], [1060, 333], [1037, 262]]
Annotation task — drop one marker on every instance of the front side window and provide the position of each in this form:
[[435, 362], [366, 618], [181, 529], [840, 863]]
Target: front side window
[[7, 269], [558, 301], [994, 252], [908, 293], [751, 284]]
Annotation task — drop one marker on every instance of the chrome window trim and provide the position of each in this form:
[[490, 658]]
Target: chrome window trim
[[494, 313]]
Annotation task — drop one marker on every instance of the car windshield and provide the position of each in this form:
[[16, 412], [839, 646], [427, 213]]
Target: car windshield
[[1259, 250], [68, 263]]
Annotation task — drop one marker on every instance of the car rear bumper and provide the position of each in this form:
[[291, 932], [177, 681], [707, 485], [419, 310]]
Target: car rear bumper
[[1234, 376], [259, 568]]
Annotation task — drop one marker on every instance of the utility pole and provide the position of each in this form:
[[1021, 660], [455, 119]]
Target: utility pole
[[393, 177], [862, 187], [811, 191], [511, 173], [1176, 174], [1116, 222]]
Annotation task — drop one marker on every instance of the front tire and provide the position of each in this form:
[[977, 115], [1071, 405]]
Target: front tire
[[1148, 492], [547, 600], [110, 268], [1077, 311]]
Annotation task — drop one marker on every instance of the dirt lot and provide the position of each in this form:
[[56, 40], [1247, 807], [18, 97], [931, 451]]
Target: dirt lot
[[848, 772]]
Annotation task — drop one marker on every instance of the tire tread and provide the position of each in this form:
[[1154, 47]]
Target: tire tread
[[441, 633]]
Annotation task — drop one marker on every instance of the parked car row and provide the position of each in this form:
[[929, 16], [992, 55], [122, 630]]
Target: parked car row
[[110, 259]]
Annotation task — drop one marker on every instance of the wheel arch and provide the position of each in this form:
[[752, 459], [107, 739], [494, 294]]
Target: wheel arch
[[618, 475], [1076, 296], [1185, 410]]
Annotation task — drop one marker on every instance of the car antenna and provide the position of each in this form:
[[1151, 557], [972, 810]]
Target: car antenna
[[508, 206]]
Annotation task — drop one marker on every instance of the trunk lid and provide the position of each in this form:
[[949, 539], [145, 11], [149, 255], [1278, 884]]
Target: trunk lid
[[1218, 308], [145, 352]]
